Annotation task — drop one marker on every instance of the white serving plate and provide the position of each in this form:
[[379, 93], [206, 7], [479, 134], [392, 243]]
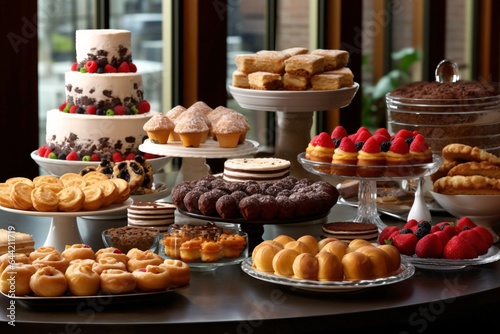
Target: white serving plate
[[293, 101], [209, 149]]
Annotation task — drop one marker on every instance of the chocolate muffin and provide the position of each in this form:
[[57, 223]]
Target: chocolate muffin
[[249, 208], [208, 200], [227, 206], [191, 200]]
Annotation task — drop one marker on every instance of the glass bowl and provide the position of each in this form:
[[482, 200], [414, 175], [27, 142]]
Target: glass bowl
[[127, 237]]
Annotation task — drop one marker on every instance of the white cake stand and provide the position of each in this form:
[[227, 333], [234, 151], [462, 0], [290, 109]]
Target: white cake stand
[[194, 158], [294, 111], [64, 227]]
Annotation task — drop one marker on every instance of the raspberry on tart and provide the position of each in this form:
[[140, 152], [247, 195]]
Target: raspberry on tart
[[320, 148], [370, 155], [345, 154], [420, 151]]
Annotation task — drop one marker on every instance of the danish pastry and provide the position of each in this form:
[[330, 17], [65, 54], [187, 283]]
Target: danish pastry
[[94, 176], [21, 196], [152, 278], [109, 191], [82, 280], [461, 153], [115, 281], [93, 197], [467, 185], [5, 199], [44, 198], [179, 271], [123, 190], [71, 199], [78, 251], [21, 275], [48, 282], [72, 179]]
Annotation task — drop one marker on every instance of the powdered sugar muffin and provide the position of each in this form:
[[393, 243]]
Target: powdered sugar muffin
[[229, 128], [158, 128], [191, 129], [174, 114]]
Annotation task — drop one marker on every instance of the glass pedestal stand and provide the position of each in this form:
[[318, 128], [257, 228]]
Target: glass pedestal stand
[[367, 207]]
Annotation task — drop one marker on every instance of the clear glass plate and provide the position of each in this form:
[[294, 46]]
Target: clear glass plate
[[492, 255], [406, 271]]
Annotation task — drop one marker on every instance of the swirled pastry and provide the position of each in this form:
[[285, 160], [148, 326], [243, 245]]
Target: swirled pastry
[[461, 152]]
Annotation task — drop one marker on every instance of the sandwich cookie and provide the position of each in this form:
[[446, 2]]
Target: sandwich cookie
[[255, 169], [348, 231], [159, 215]]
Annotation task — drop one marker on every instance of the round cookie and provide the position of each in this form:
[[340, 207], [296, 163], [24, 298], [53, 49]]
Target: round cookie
[[348, 231]]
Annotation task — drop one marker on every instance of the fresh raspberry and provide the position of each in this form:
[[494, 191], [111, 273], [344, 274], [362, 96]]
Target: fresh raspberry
[[371, 146], [91, 110], [123, 68], [91, 66], [117, 157], [353, 137], [380, 139], [109, 69], [339, 132], [41, 150], [383, 132], [62, 106], [74, 67], [419, 144], [132, 67], [149, 156], [95, 157], [404, 133], [399, 146], [72, 110], [363, 129], [143, 107], [347, 145], [119, 110], [130, 156], [72, 156], [363, 136], [323, 140]]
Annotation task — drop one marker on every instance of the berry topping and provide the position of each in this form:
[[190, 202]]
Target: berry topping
[[380, 139], [110, 112], [419, 144], [399, 146], [371, 146], [74, 67], [117, 251], [91, 66], [130, 156], [73, 109], [383, 132], [149, 156], [47, 153], [363, 129], [404, 133], [52, 155], [143, 107], [123, 68], [80, 110], [339, 132], [91, 110], [72, 156], [117, 157], [41, 150], [62, 106], [95, 157], [100, 112], [347, 145], [323, 140], [119, 110], [109, 69], [132, 67], [86, 158], [363, 136], [385, 146]]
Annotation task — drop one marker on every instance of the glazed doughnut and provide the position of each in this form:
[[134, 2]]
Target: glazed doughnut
[[21, 274], [42, 251], [108, 262], [71, 199], [82, 280], [140, 259], [152, 278], [72, 179], [283, 262], [461, 153], [93, 197], [123, 190], [78, 251], [53, 260], [113, 252], [179, 272], [110, 192], [48, 282], [20, 196], [115, 281], [329, 267], [305, 266]]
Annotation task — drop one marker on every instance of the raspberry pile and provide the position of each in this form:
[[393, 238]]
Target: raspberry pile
[[45, 152], [449, 240]]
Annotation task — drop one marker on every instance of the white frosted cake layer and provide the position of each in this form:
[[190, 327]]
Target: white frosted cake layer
[[88, 134], [103, 90], [112, 44]]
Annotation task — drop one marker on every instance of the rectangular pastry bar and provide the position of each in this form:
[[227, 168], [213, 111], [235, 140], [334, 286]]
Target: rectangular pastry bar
[[334, 59], [240, 79], [246, 63], [304, 65], [271, 61], [295, 82], [325, 81], [296, 51], [347, 79], [265, 81]]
